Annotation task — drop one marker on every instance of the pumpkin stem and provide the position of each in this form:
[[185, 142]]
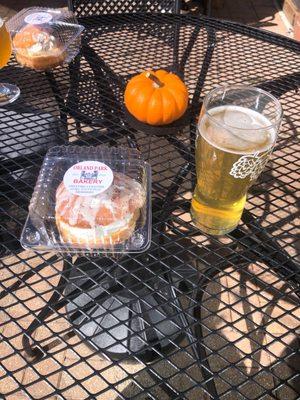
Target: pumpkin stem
[[154, 79]]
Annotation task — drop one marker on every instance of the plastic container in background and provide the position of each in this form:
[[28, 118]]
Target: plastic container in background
[[90, 200], [43, 38]]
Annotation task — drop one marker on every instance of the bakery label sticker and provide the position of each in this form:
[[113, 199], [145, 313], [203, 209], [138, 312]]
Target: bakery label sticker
[[88, 178], [38, 18]]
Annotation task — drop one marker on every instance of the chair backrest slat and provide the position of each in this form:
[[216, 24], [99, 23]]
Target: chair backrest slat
[[83, 8]]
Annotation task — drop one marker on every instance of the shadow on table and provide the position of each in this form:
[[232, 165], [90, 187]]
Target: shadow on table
[[28, 128], [234, 337], [35, 87], [229, 363], [235, 350]]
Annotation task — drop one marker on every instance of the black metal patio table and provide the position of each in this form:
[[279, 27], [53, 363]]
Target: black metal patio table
[[194, 317]]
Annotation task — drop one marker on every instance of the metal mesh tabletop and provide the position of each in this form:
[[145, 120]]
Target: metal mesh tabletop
[[194, 317]]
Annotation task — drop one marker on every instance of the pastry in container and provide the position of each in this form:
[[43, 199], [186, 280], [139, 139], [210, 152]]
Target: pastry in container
[[90, 200], [38, 48], [101, 220], [44, 38]]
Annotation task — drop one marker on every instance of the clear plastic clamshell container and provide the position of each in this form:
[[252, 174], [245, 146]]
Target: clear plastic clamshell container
[[43, 38], [90, 200]]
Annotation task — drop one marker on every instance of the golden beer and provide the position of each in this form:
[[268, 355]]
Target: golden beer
[[8, 91], [232, 148], [5, 45]]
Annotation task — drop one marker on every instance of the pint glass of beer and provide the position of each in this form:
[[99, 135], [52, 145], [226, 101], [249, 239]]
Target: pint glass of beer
[[237, 130]]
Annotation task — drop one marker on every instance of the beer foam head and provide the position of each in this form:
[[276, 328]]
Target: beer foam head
[[237, 129]]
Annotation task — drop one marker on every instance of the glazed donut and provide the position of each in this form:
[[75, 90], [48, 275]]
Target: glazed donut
[[101, 220]]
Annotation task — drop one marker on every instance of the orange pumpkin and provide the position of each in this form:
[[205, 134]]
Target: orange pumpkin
[[156, 98]]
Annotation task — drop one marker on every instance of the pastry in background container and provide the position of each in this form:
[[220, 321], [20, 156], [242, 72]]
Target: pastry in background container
[[37, 48], [44, 38], [101, 220]]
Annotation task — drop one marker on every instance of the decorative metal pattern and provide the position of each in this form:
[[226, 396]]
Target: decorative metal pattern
[[195, 317], [84, 8]]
